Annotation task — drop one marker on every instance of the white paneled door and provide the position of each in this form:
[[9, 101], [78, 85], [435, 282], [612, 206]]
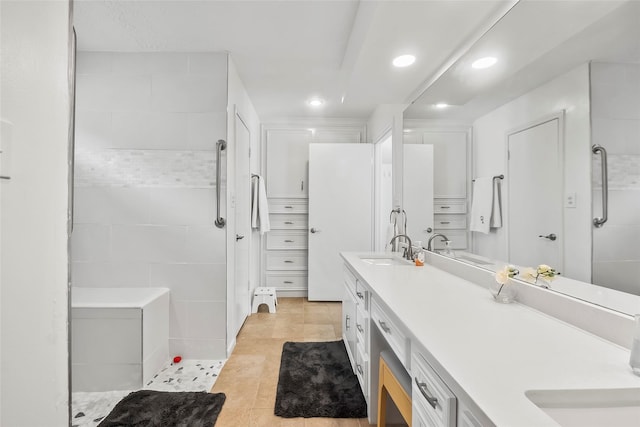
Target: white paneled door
[[340, 212], [242, 298], [535, 187]]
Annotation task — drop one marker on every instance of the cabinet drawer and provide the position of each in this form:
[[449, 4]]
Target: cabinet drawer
[[446, 222], [288, 206], [363, 295], [392, 333], [362, 370], [288, 221], [286, 280], [287, 239], [362, 322], [449, 206], [458, 239], [432, 393], [286, 260]]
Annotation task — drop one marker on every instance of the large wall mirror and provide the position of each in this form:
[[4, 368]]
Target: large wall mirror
[[566, 80]]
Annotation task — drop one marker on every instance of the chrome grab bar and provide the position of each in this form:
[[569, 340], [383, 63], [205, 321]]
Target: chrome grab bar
[[599, 221], [220, 146]]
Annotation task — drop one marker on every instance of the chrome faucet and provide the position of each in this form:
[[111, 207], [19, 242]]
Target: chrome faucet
[[408, 252], [444, 239]]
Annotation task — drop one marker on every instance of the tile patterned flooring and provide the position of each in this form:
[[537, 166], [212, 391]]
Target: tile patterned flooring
[[250, 376]]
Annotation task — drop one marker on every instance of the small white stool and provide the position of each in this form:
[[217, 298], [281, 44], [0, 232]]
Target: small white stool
[[264, 295]]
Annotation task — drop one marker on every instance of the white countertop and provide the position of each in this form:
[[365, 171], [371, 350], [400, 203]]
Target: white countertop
[[495, 352]]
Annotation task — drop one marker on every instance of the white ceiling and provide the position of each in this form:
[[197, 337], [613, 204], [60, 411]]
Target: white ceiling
[[288, 51]]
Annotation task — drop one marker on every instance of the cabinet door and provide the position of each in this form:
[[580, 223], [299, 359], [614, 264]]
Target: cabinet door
[[450, 162], [349, 323], [287, 153]]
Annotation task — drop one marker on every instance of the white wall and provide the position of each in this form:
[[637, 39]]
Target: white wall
[[35, 98], [568, 92], [147, 124], [615, 120]]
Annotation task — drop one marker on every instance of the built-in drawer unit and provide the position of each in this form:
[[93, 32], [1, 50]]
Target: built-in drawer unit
[[396, 338], [288, 206], [287, 221], [288, 280], [283, 260], [447, 221], [363, 295], [431, 397], [362, 324], [285, 239], [450, 206]]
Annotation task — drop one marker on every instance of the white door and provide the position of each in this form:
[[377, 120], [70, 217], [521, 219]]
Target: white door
[[242, 299], [417, 191], [534, 181], [340, 212]]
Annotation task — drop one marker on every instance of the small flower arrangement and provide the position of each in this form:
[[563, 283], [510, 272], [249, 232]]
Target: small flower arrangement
[[543, 271], [503, 276]]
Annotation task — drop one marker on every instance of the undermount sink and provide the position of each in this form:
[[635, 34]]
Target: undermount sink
[[385, 260], [585, 408]]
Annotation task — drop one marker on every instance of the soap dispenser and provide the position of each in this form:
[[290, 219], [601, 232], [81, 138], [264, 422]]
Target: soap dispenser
[[447, 251]]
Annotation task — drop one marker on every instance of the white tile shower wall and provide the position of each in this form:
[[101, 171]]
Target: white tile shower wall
[[144, 208], [615, 122]]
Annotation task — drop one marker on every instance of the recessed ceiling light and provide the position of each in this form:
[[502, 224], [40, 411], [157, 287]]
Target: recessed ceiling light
[[316, 102], [485, 62], [441, 105], [404, 60]]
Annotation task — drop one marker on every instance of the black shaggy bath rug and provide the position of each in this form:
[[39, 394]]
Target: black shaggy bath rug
[[151, 408], [316, 380]]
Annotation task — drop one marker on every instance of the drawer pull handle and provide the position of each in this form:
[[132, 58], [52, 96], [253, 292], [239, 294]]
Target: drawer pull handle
[[359, 368], [288, 207], [288, 282], [289, 222], [360, 295], [384, 326], [445, 207], [445, 222], [359, 327], [433, 401], [288, 261], [288, 241], [346, 322]]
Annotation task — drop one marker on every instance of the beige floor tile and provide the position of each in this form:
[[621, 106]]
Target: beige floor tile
[[241, 393], [233, 417], [291, 331], [318, 332], [266, 397]]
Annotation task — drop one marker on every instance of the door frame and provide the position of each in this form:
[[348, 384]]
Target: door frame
[[378, 218], [560, 117]]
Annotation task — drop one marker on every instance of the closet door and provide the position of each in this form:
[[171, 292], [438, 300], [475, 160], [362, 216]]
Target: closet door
[[340, 212]]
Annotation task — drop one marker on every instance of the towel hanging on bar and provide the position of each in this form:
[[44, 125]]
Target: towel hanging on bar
[[259, 205], [486, 212]]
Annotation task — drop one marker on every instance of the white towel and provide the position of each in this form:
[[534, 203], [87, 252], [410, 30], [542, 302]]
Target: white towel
[[496, 209], [481, 205], [259, 206]]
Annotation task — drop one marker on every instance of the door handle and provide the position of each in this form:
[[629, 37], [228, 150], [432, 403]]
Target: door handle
[[314, 230], [239, 237], [428, 230], [551, 236]]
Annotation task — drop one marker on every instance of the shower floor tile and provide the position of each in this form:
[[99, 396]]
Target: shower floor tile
[[89, 408]]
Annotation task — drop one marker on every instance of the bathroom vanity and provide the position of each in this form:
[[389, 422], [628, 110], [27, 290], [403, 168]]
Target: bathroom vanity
[[476, 362]]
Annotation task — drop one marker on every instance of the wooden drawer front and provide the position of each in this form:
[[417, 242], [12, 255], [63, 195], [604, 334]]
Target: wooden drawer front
[[288, 206], [286, 280], [458, 239], [395, 337], [288, 221], [362, 370], [286, 260], [287, 240], [427, 385], [449, 206], [445, 222], [349, 279]]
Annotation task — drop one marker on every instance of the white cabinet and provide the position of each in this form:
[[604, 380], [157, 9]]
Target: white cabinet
[[287, 155], [430, 395]]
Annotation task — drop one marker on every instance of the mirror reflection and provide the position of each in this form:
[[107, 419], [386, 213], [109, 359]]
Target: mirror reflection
[[557, 115]]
